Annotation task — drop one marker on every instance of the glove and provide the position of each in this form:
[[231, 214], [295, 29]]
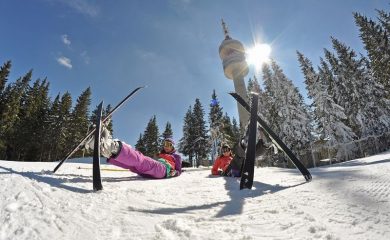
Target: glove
[[275, 148], [221, 172]]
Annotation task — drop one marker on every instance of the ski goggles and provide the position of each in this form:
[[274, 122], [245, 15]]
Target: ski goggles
[[225, 149], [168, 144]]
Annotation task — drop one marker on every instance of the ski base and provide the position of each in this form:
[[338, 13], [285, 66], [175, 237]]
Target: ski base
[[248, 167], [97, 180]]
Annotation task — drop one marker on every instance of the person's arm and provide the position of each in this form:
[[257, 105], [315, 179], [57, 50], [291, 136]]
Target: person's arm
[[226, 165], [177, 163], [214, 170]]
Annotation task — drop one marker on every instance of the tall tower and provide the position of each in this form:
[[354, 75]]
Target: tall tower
[[232, 54]]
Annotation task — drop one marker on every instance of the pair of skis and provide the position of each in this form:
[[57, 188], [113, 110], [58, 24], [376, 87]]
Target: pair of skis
[[247, 171], [97, 183]]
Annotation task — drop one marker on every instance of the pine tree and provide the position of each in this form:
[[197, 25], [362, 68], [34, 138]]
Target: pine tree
[[52, 128], [151, 138], [365, 101], [291, 116], [110, 124], [216, 124], [32, 127], [4, 72], [80, 118], [376, 41], [140, 145], [13, 97], [200, 144], [168, 133], [331, 115], [327, 114], [236, 129], [384, 19], [254, 87], [186, 142], [228, 131], [63, 123], [271, 114]]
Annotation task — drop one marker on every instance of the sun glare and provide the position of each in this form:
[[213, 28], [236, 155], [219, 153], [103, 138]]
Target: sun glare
[[258, 55]]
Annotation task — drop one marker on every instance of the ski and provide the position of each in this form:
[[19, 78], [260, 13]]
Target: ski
[[105, 169], [248, 166], [276, 140], [76, 148], [97, 180]]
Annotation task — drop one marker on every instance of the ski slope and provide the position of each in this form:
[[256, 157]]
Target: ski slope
[[345, 201]]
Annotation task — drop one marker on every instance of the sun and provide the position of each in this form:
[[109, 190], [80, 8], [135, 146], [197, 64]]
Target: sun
[[258, 55]]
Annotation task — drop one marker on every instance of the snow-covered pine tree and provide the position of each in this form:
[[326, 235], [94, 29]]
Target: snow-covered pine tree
[[328, 115], [384, 19], [376, 38], [272, 106], [236, 129], [151, 138], [228, 131], [254, 86], [293, 119], [365, 106]]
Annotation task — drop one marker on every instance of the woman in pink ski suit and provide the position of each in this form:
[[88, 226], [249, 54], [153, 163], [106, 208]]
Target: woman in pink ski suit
[[123, 155]]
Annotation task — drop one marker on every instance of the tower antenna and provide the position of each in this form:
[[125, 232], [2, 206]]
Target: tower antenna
[[225, 30]]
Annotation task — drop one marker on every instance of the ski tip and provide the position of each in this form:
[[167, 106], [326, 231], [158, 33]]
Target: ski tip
[[308, 177]]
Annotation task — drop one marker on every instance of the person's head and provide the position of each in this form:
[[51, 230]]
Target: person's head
[[226, 150], [168, 145]]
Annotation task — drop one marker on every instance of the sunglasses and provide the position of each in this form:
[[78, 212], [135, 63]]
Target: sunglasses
[[225, 149], [168, 144]]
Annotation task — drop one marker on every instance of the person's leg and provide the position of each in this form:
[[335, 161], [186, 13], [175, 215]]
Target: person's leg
[[135, 161]]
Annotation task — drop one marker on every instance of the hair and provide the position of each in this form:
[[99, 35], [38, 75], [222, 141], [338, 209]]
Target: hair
[[226, 146], [173, 146]]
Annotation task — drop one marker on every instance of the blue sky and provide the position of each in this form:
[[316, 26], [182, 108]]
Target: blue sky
[[171, 46]]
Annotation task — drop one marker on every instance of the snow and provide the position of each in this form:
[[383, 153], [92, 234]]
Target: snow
[[350, 200]]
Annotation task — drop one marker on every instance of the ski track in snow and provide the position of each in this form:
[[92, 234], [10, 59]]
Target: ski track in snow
[[344, 201]]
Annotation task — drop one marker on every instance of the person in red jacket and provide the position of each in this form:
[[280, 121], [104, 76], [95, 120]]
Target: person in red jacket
[[222, 163]]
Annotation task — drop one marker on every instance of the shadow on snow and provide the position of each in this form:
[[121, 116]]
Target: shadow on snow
[[232, 207], [237, 196], [52, 181]]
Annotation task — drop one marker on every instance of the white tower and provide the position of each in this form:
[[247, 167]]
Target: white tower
[[232, 54]]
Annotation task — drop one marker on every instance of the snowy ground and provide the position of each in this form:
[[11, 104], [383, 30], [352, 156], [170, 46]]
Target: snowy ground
[[346, 201]]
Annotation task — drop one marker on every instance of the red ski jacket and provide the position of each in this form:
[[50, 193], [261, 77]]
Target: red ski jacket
[[221, 163]]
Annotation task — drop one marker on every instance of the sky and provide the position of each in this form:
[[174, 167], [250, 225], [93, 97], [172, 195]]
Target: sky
[[171, 46]]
